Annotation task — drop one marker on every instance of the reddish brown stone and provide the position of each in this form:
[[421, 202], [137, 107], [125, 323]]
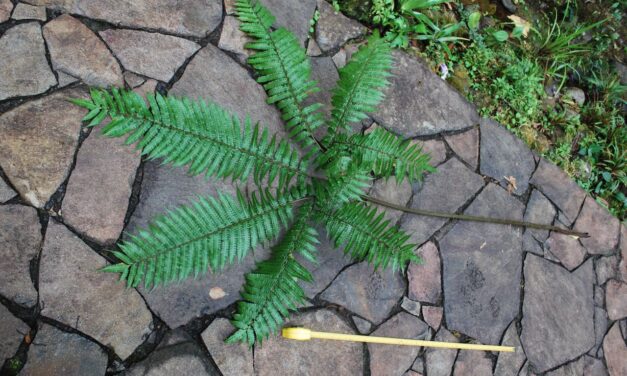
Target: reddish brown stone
[[432, 316], [425, 280], [5, 9], [603, 228], [615, 352], [616, 299], [472, 363], [466, 146]]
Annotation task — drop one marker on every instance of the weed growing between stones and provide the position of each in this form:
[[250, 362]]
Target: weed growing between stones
[[323, 181]]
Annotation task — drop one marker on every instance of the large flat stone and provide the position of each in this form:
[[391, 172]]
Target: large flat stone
[[466, 146], [508, 364], [234, 359], [74, 292], [559, 188], [24, 69], [59, 353], [446, 190], [149, 54], [419, 103], [214, 76], [334, 29], [233, 39], [37, 144], [165, 188], [472, 363], [558, 313], [28, 12], [366, 292], [293, 15], [104, 173], [616, 299], [615, 352], [77, 51], [12, 331], [390, 191], [195, 18], [566, 248], [440, 362], [425, 280], [177, 354], [20, 240], [278, 356], [539, 210], [394, 360], [482, 267], [504, 155], [601, 225]]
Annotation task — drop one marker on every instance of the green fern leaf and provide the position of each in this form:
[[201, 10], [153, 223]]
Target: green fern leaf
[[202, 136], [346, 182], [384, 153], [284, 70], [209, 233], [367, 236], [359, 89], [272, 290]]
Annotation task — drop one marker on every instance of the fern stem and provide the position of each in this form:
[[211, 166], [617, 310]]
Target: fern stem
[[474, 218]]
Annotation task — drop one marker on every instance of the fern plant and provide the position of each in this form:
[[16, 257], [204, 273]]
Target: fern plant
[[318, 181]]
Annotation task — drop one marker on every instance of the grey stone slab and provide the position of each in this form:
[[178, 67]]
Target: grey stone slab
[[37, 144], [539, 210], [77, 51], [615, 352], [616, 299], [5, 9], [394, 360], [334, 29], [323, 71], [440, 362], [12, 331], [20, 242], [472, 363], [97, 194], [177, 354], [28, 12], [293, 15], [234, 40], [278, 356], [504, 155], [601, 225], [558, 313], [566, 249], [419, 103], [466, 146], [482, 268], [73, 291], [445, 190], [196, 18], [150, 54], [24, 69], [366, 292], [508, 364], [233, 359], [393, 192], [60, 353], [6, 193], [425, 279]]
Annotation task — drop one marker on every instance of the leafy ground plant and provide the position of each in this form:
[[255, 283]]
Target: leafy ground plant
[[322, 182]]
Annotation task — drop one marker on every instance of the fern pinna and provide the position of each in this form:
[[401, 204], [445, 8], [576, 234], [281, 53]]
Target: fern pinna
[[318, 181]]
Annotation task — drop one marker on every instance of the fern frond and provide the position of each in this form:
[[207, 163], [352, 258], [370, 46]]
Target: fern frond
[[346, 182], [284, 70], [385, 154], [209, 233], [359, 89], [202, 136], [365, 235], [272, 290]]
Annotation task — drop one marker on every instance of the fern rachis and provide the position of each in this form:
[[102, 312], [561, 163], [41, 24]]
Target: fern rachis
[[213, 232]]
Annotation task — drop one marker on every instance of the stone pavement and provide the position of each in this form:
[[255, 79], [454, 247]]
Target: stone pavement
[[66, 195]]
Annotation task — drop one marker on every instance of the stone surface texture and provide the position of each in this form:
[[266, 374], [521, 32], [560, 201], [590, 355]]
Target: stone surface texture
[[439, 362], [72, 289], [557, 305], [12, 331], [419, 103], [603, 227], [315, 357], [89, 59], [61, 353], [149, 54], [23, 67], [38, 142], [466, 146], [333, 29], [472, 363], [195, 18], [293, 15], [566, 248], [615, 352], [508, 364], [369, 293], [387, 360], [28, 12], [5, 9], [231, 359], [6, 193], [95, 204], [616, 299], [482, 267], [539, 210], [20, 241], [496, 141], [424, 279]]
